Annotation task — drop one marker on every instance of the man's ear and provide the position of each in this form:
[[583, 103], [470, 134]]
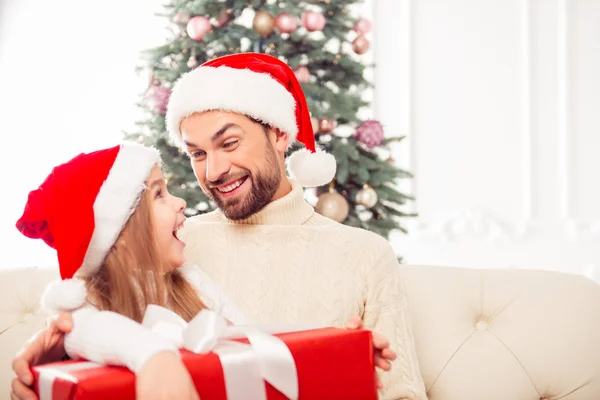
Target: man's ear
[[282, 140]]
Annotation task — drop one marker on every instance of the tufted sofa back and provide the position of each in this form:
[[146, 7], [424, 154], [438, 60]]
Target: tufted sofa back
[[480, 334], [506, 334]]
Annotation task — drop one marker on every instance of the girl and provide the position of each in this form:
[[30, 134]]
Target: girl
[[114, 226]]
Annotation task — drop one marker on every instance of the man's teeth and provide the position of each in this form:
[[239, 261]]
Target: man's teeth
[[229, 188]]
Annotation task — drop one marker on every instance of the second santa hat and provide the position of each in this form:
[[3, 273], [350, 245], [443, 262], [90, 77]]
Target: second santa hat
[[80, 210], [259, 86]]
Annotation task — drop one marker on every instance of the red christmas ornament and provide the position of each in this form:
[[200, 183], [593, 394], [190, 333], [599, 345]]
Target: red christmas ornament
[[302, 74], [197, 27], [286, 23], [313, 21], [363, 26]]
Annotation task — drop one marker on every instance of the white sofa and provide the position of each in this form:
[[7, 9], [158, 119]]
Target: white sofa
[[480, 334]]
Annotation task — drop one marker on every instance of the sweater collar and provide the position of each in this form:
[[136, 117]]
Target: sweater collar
[[291, 209]]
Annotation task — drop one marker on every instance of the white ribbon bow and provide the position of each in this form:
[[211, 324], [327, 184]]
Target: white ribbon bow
[[245, 366]]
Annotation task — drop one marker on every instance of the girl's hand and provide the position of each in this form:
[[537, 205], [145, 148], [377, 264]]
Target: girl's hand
[[164, 377]]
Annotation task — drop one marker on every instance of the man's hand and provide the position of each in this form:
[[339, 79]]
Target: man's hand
[[47, 346], [383, 354]]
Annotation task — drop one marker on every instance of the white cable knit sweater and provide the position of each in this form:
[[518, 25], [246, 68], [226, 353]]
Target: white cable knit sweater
[[288, 264]]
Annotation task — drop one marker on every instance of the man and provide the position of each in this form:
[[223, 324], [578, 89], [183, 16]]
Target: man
[[279, 260]]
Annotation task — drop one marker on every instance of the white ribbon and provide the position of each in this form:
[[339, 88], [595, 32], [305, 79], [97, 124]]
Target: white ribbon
[[48, 375], [245, 367]]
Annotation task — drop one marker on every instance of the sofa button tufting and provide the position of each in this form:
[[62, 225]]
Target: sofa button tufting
[[28, 317], [481, 325]]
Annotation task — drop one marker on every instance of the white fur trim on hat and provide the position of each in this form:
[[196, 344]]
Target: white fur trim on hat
[[65, 295], [312, 169], [116, 201], [243, 91]]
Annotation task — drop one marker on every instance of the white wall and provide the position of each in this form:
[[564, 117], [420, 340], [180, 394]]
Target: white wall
[[500, 102], [498, 99], [67, 84]]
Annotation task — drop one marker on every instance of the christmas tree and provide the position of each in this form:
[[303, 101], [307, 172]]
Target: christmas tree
[[323, 42]]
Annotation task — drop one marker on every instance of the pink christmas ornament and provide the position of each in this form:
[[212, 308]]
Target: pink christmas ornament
[[181, 18], [370, 133], [363, 26], [302, 74], [361, 44], [313, 21], [157, 97], [223, 18], [286, 23], [197, 27]]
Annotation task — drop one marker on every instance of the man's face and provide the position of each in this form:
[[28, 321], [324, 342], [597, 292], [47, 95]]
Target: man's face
[[235, 161]]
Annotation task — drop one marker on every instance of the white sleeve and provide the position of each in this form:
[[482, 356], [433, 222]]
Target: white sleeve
[[106, 337], [212, 295]]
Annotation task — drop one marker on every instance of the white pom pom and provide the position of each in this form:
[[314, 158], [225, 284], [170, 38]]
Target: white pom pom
[[312, 169], [66, 295]]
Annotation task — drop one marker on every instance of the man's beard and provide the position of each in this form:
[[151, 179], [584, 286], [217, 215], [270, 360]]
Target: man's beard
[[263, 186]]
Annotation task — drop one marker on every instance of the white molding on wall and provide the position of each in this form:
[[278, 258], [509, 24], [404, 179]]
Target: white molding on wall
[[563, 110], [575, 228], [527, 181], [394, 79], [472, 222]]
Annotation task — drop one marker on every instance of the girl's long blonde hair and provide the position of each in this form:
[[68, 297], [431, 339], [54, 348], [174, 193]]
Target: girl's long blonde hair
[[132, 276]]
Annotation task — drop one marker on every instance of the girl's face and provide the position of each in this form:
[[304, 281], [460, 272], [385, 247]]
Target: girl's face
[[168, 218]]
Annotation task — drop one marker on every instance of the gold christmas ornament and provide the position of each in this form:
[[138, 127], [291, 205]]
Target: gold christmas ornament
[[367, 197], [326, 125], [361, 45], [333, 205], [263, 23]]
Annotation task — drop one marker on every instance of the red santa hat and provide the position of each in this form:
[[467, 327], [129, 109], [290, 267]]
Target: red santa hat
[[259, 86], [80, 210]]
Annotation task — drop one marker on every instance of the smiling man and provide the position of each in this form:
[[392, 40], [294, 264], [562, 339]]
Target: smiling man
[[265, 245]]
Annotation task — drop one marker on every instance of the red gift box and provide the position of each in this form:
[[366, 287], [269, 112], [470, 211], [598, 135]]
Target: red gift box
[[331, 363]]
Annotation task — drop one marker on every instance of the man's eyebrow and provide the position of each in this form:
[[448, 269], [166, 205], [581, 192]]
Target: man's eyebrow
[[222, 131], [216, 135]]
